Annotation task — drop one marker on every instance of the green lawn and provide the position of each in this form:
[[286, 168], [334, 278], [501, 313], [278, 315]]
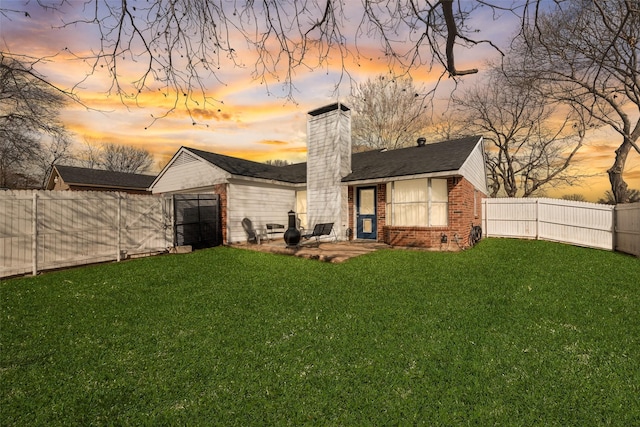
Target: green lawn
[[510, 333]]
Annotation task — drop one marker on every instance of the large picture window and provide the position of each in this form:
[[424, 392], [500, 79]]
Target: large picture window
[[418, 202]]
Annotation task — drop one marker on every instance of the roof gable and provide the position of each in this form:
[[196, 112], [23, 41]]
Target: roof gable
[[73, 175], [295, 173]]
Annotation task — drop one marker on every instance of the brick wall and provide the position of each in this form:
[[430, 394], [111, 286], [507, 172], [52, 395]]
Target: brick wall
[[381, 207], [221, 190], [465, 208]]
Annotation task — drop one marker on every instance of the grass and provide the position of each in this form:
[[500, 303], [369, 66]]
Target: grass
[[510, 333]]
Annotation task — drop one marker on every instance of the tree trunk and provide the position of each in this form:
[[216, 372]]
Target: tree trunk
[[618, 186]]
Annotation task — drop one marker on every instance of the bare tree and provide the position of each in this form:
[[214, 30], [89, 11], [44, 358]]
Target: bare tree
[[15, 152], [115, 157], [585, 54], [54, 149], [179, 47], [29, 114], [278, 162], [89, 154], [575, 197], [448, 126], [530, 144], [388, 113], [125, 158]]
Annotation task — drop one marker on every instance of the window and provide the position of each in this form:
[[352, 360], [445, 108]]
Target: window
[[439, 202], [418, 202]]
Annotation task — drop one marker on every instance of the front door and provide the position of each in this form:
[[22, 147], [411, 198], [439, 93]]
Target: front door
[[366, 224]]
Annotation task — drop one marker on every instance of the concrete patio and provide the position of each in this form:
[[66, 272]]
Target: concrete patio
[[334, 252]]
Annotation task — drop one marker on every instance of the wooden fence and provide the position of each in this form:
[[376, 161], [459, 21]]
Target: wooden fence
[[578, 223], [41, 230]]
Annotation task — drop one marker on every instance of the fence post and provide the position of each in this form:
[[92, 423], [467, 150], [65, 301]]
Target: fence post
[[119, 224], [483, 212], [34, 232], [537, 219], [614, 225]]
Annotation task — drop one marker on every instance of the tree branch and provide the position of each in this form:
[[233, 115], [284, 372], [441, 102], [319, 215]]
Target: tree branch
[[452, 33]]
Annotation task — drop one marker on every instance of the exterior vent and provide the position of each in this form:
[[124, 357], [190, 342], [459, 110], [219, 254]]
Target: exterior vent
[[184, 158]]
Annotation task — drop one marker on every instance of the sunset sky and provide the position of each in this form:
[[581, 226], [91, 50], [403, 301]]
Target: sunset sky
[[250, 122]]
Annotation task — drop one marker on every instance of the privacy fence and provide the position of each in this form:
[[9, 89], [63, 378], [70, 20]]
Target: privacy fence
[[578, 223], [627, 226], [41, 230]]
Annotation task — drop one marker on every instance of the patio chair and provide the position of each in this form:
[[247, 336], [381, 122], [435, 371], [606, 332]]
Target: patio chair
[[253, 235], [320, 230]]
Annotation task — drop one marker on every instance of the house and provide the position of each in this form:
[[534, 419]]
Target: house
[[85, 179], [407, 197]]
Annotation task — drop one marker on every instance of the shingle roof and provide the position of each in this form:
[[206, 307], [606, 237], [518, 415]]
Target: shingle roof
[[73, 175], [296, 173], [438, 157]]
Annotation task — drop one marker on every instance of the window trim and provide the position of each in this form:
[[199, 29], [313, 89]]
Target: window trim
[[431, 204]]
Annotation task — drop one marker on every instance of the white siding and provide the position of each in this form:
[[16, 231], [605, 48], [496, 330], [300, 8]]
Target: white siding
[[187, 173], [341, 228], [262, 204], [474, 170], [328, 161]]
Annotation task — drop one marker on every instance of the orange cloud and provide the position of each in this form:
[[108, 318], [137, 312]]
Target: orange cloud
[[633, 177], [296, 150], [272, 142], [211, 114]]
